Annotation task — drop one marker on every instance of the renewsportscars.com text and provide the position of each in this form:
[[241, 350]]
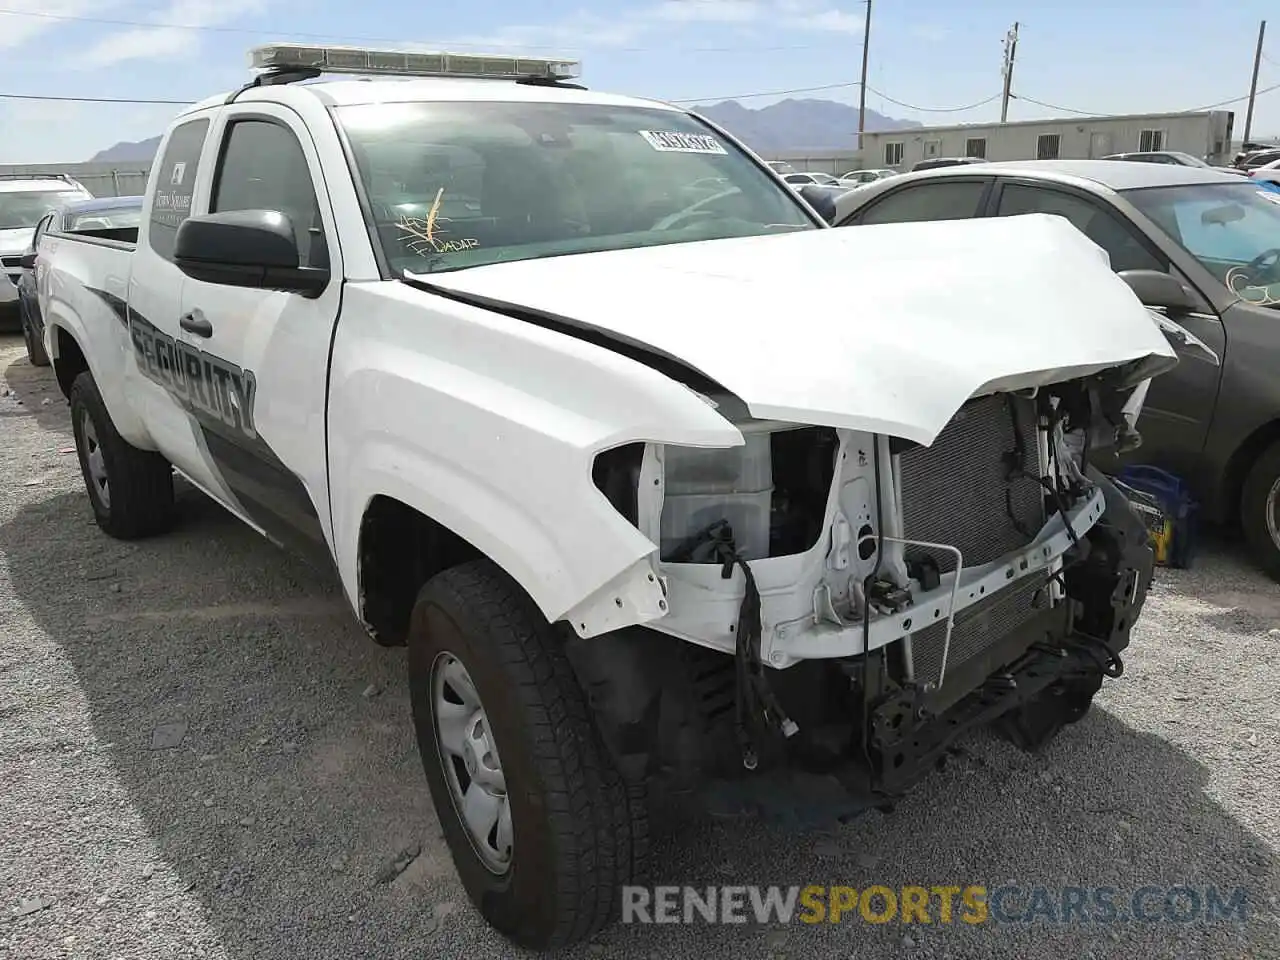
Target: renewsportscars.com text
[[969, 904]]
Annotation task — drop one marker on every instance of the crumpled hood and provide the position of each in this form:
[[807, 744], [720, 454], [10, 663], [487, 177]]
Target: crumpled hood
[[888, 328], [15, 241]]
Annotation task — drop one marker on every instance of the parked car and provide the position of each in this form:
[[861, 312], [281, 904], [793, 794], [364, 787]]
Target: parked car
[[935, 163], [806, 177], [858, 177], [1199, 245], [1173, 157], [1249, 160], [643, 499], [780, 166], [109, 218], [24, 199], [1268, 173]]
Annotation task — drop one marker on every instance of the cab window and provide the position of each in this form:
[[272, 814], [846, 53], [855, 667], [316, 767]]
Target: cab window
[[263, 168], [941, 200], [175, 182]]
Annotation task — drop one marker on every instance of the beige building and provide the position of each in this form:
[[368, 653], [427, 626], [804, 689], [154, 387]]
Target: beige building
[[1207, 135]]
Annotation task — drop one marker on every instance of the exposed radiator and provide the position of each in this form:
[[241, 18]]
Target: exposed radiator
[[976, 628], [957, 491]]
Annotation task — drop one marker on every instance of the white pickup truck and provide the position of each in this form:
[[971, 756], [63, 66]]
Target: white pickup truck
[[660, 480]]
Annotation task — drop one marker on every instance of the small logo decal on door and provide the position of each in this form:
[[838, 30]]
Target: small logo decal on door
[[179, 173]]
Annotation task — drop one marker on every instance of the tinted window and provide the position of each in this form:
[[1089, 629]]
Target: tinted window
[[1091, 219], [264, 168], [943, 200], [175, 179]]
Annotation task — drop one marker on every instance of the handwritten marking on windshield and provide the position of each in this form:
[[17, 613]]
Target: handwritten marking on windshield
[[1238, 282], [425, 242]]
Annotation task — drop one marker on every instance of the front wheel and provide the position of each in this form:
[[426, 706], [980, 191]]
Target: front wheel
[[541, 826], [131, 490], [1260, 510]]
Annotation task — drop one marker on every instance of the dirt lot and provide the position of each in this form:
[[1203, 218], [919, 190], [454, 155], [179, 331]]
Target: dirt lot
[[203, 756]]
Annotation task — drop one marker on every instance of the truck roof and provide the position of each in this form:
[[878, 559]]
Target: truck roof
[[414, 89]]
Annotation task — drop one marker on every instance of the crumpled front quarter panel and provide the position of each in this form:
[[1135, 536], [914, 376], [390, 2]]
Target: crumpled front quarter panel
[[489, 425]]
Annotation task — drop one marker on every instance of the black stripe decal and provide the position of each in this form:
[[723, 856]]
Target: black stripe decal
[[118, 306], [219, 397]]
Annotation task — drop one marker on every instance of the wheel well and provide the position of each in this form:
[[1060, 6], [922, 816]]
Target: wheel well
[[1238, 468], [400, 550], [68, 360]]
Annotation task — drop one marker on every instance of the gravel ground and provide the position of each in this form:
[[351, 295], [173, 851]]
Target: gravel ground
[[203, 756]]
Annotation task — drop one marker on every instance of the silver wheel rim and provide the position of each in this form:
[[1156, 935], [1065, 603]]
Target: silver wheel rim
[[1272, 505], [97, 466], [469, 758]]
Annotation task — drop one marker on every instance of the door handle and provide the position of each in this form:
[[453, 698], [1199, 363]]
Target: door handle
[[195, 322]]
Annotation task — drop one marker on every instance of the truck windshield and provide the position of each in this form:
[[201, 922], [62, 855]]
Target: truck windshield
[[1232, 229], [26, 208], [455, 185]]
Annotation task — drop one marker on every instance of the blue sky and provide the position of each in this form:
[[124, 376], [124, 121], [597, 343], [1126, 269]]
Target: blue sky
[[1087, 55]]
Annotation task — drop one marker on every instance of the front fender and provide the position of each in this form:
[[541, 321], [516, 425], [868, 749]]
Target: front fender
[[490, 426]]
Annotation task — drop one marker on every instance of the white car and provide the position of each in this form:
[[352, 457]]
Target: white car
[[858, 178], [1268, 173], [24, 200], [646, 503]]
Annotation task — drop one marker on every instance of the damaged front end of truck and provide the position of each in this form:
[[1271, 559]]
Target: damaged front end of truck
[[843, 605]]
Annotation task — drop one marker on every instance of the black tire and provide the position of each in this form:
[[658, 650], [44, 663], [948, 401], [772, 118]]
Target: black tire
[[138, 499], [35, 346], [1259, 507], [579, 831]]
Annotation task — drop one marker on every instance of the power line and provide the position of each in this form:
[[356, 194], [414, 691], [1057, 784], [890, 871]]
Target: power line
[[156, 25], [912, 106], [1088, 113], [838, 86], [32, 96]]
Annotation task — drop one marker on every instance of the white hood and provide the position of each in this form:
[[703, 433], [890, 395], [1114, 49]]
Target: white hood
[[16, 240], [889, 328]]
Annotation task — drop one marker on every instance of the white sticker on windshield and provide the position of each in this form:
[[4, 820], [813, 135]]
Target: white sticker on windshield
[[669, 141]]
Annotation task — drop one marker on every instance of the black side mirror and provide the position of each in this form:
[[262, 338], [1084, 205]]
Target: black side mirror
[[821, 201], [1157, 289], [246, 248], [27, 261]]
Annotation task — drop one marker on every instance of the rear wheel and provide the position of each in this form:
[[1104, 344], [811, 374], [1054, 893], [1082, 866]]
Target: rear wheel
[[1260, 510], [131, 490], [542, 829], [35, 346]]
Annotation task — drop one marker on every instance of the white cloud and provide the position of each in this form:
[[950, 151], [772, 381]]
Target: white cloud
[[30, 18], [176, 34], [627, 27]]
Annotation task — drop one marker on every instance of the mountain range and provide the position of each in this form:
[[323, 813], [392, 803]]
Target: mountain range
[[778, 128]]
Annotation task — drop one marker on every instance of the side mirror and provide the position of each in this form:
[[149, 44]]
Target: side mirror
[[246, 248], [821, 201], [27, 261], [1157, 289]]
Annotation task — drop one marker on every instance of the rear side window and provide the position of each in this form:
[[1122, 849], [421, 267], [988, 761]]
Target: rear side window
[[175, 179], [950, 200]]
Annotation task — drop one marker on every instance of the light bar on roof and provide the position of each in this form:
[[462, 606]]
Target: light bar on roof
[[406, 63]]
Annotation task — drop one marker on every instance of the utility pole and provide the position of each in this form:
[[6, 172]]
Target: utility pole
[[1253, 84], [862, 87], [1010, 51]]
